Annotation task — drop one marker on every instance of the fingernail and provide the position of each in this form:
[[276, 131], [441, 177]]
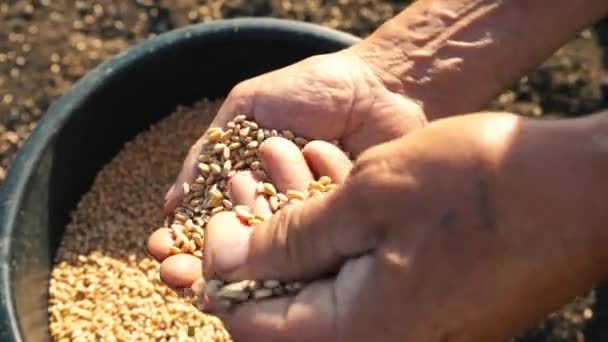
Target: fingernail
[[230, 251]]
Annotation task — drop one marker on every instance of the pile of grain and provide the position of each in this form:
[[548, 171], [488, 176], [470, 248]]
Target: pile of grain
[[104, 285]]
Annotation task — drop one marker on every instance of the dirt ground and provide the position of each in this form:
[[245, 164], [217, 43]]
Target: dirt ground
[[46, 45]]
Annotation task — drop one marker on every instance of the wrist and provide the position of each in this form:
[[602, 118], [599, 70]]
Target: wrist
[[453, 57]]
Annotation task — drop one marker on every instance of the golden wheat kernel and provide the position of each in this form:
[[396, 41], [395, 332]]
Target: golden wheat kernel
[[314, 185], [217, 210], [269, 189], [244, 132], [287, 134], [199, 180], [186, 188], [218, 148], [239, 165], [174, 250], [227, 204], [213, 202], [262, 293], [253, 144], [179, 240], [191, 246], [239, 118], [203, 168], [181, 217], [294, 194], [294, 201], [210, 180], [274, 133], [235, 145], [325, 180], [215, 169], [282, 197], [198, 240], [300, 141], [243, 212], [271, 284], [331, 187], [259, 187], [249, 153], [226, 153], [227, 166], [190, 224], [226, 135], [176, 227], [198, 189], [214, 134], [184, 248], [254, 221], [274, 203], [260, 135], [252, 124], [231, 124], [215, 193], [196, 201]]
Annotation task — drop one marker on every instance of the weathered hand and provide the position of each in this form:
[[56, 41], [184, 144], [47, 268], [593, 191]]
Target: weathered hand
[[458, 232], [328, 97]]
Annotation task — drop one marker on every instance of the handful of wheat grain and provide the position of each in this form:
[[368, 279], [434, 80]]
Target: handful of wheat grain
[[227, 151]]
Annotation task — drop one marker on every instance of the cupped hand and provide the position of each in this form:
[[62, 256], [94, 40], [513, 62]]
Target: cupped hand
[[331, 97], [337, 96], [288, 168], [456, 232]]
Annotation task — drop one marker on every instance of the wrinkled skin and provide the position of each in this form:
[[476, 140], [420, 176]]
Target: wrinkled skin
[[422, 243], [328, 97]]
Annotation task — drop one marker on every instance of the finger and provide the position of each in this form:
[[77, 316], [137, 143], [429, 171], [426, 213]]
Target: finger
[[233, 234], [242, 189], [285, 164], [238, 101], [159, 243], [326, 159], [309, 316], [303, 241], [180, 270]]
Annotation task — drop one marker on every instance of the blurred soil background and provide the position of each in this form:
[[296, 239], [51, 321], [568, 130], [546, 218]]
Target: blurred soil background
[[47, 45]]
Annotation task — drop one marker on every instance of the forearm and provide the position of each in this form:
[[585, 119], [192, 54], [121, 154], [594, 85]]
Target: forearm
[[455, 56]]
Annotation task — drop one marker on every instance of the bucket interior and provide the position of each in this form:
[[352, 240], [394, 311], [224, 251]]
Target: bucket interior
[[179, 70]]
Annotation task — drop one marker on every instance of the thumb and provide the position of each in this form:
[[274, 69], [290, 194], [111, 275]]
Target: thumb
[[300, 242]]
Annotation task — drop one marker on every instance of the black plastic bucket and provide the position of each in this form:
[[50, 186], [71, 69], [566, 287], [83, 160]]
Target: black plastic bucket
[[86, 127]]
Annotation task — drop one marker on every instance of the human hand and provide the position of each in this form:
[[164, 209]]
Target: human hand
[[332, 97], [458, 232], [337, 96]]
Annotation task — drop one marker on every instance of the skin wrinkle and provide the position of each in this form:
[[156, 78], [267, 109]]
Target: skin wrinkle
[[430, 52]]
